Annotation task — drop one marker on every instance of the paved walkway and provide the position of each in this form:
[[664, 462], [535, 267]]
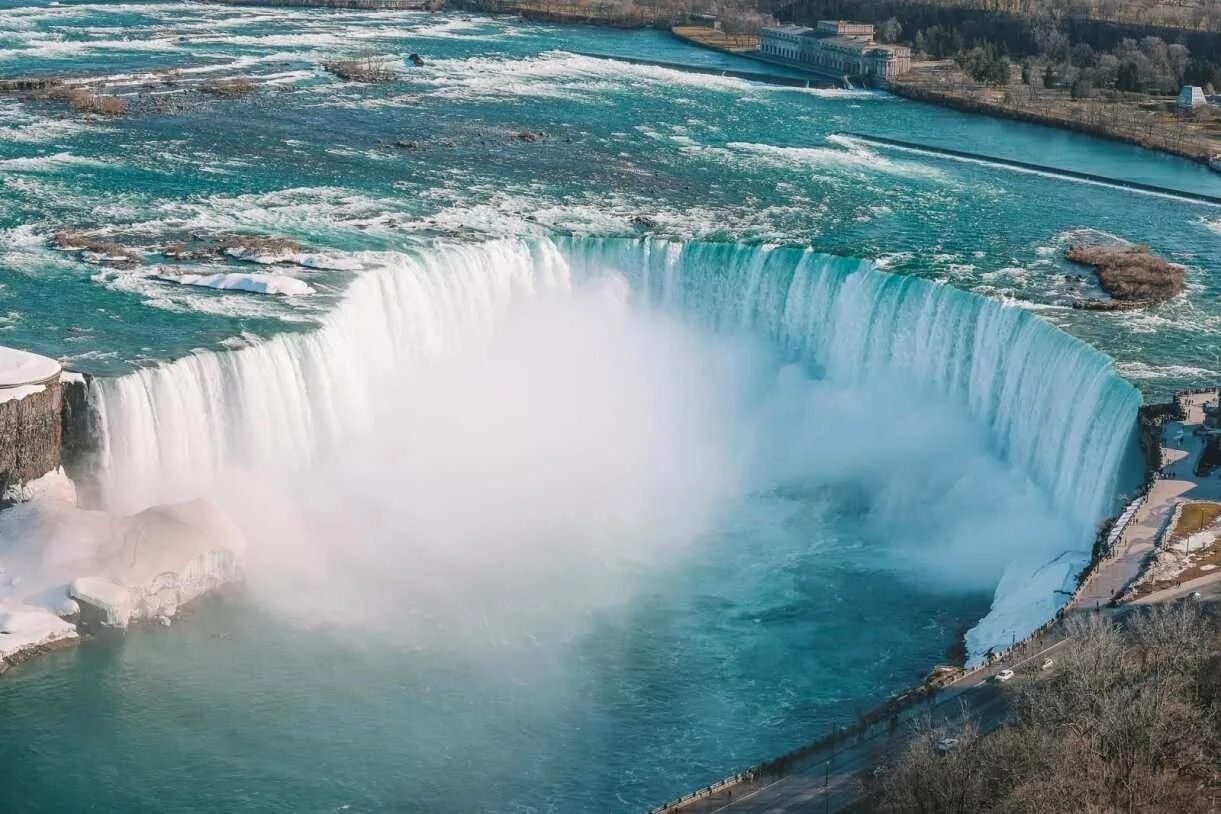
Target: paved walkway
[[828, 779]]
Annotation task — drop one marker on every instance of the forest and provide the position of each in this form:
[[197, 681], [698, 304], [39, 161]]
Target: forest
[[1053, 46]]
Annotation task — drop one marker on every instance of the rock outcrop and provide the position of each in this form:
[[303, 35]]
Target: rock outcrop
[[30, 418]]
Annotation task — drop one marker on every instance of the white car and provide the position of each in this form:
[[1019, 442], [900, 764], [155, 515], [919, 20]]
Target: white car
[[1004, 675]]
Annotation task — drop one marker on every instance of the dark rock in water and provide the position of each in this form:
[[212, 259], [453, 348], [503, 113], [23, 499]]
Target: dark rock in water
[[1112, 305], [644, 222], [529, 136], [407, 144], [416, 60]]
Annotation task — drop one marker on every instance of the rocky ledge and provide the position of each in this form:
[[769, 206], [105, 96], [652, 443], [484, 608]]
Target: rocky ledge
[[30, 419]]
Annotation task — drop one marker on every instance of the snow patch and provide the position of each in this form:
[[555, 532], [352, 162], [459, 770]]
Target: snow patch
[[19, 367], [54, 558], [25, 627], [256, 283], [1029, 594]]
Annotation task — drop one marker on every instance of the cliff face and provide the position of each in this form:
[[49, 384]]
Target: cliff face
[[81, 434], [31, 431]]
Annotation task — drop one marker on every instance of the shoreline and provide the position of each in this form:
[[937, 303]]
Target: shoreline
[[906, 87], [918, 93]]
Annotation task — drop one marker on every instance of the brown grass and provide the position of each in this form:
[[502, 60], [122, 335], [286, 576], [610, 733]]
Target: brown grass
[[1196, 516], [1131, 272], [711, 38], [84, 101], [258, 244], [362, 69], [231, 88], [74, 241]]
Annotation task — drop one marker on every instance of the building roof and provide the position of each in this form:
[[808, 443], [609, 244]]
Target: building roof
[[787, 29], [848, 43]]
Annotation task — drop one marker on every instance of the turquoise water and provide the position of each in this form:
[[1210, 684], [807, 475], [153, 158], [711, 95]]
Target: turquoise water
[[817, 590], [701, 156]]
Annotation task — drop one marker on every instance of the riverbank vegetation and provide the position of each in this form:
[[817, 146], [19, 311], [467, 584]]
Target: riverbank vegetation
[[230, 88], [1126, 719], [367, 68], [76, 97], [739, 21], [1107, 70], [1130, 273]]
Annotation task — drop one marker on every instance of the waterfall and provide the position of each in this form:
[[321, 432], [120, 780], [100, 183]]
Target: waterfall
[[1054, 406], [170, 431]]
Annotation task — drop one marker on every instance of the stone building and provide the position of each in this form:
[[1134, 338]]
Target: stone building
[[836, 48]]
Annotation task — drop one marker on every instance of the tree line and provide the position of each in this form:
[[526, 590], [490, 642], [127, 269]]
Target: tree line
[[1071, 51], [1128, 720]]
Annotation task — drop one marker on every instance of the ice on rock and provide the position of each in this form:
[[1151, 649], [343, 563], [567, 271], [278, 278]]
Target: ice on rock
[[164, 557], [25, 627], [112, 599], [255, 283], [326, 261], [313, 260], [1030, 592], [56, 558]]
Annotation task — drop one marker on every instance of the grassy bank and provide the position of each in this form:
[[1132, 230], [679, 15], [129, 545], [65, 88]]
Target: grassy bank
[[716, 40], [1134, 119], [607, 15]]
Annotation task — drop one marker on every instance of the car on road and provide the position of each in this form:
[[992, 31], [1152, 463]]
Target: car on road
[[947, 745], [1195, 596], [1047, 664], [1004, 675]]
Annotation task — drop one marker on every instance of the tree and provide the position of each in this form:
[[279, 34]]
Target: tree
[[1128, 77], [890, 30], [1127, 720]]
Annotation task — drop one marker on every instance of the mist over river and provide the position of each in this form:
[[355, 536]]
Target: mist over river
[[620, 427]]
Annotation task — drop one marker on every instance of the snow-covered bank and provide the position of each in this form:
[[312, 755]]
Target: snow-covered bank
[[60, 565], [313, 260]]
